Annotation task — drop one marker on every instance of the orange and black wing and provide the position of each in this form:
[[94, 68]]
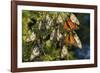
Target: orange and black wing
[[72, 25], [67, 27], [70, 39]]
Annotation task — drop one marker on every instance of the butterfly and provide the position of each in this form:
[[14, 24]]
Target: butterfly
[[48, 22], [59, 19], [70, 26], [73, 39], [72, 23], [64, 51], [74, 19], [30, 38], [35, 52], [52, 34], [59, 35]]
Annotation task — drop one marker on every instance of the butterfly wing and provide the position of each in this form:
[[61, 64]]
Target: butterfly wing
[[74, 19], [70, 39], [79, 44], [72, 25], [66, 27], [35, 53], [73, 39], [59, 19], [28, 39], [64, 52], [33, 36], [52, 34]]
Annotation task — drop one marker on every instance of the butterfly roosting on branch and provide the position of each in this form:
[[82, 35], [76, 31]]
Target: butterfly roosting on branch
[[71, 25]]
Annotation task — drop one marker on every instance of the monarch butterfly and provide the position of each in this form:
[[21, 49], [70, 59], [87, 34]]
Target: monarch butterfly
[[70, 39], [69, 25], [59, 19], [64, 52], [73, 39], [35, 53], [74, 19], [48, 21], [52, 34], [59, 35], [32, 37]]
